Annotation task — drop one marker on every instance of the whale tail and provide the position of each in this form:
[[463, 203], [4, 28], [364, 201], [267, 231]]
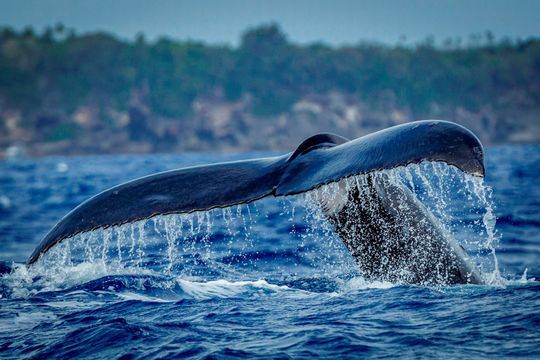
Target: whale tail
[[319, 160]]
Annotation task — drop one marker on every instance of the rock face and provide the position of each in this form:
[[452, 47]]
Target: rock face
[[219, 125]]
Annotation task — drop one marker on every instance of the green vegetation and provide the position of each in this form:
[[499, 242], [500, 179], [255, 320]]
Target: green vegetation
[[62, 132], [60, 70]]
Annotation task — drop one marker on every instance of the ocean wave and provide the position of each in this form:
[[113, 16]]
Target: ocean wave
[[135, 283]]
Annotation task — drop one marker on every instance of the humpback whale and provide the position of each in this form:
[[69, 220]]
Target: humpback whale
[[384, 245]]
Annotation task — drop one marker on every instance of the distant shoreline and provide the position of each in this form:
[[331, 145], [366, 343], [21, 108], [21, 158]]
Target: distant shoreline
[[64, 93], [14, 153]]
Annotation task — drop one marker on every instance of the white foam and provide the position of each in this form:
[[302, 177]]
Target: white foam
[[224, 288], [359, 283], [27, 281], [129, 295]]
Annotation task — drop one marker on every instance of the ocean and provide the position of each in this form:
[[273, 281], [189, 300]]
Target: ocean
[[267, 279]]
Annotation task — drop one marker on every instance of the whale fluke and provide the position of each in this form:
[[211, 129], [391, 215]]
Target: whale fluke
[[319, 160]]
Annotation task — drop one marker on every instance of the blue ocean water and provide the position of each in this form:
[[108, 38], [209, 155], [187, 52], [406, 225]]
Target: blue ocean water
[[266, 279]]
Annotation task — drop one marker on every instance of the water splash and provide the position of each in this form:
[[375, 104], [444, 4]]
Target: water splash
[[226, 243], [443, 189], [484, 194]]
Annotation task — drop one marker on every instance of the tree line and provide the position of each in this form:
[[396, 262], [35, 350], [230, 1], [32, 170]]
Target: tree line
[[59, 69]]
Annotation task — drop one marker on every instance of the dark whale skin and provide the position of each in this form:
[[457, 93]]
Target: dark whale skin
[[394, 237]]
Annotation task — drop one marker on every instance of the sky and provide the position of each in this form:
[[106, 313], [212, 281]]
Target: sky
[[335, 22]]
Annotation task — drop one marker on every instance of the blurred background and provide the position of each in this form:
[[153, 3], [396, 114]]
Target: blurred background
[[94, 77]]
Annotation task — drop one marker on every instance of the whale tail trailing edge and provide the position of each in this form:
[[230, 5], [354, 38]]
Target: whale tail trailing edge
[[319, 160]]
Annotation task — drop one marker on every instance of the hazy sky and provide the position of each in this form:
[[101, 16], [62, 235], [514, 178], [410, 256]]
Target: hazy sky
[[334, 22]]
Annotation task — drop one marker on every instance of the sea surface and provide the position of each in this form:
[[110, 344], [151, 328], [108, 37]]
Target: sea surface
[[267, 279]]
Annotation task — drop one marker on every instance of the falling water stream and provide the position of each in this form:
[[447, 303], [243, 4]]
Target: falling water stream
[[185, 245]]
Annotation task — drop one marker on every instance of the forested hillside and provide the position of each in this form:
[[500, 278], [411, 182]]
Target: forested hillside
[[66, 93]]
